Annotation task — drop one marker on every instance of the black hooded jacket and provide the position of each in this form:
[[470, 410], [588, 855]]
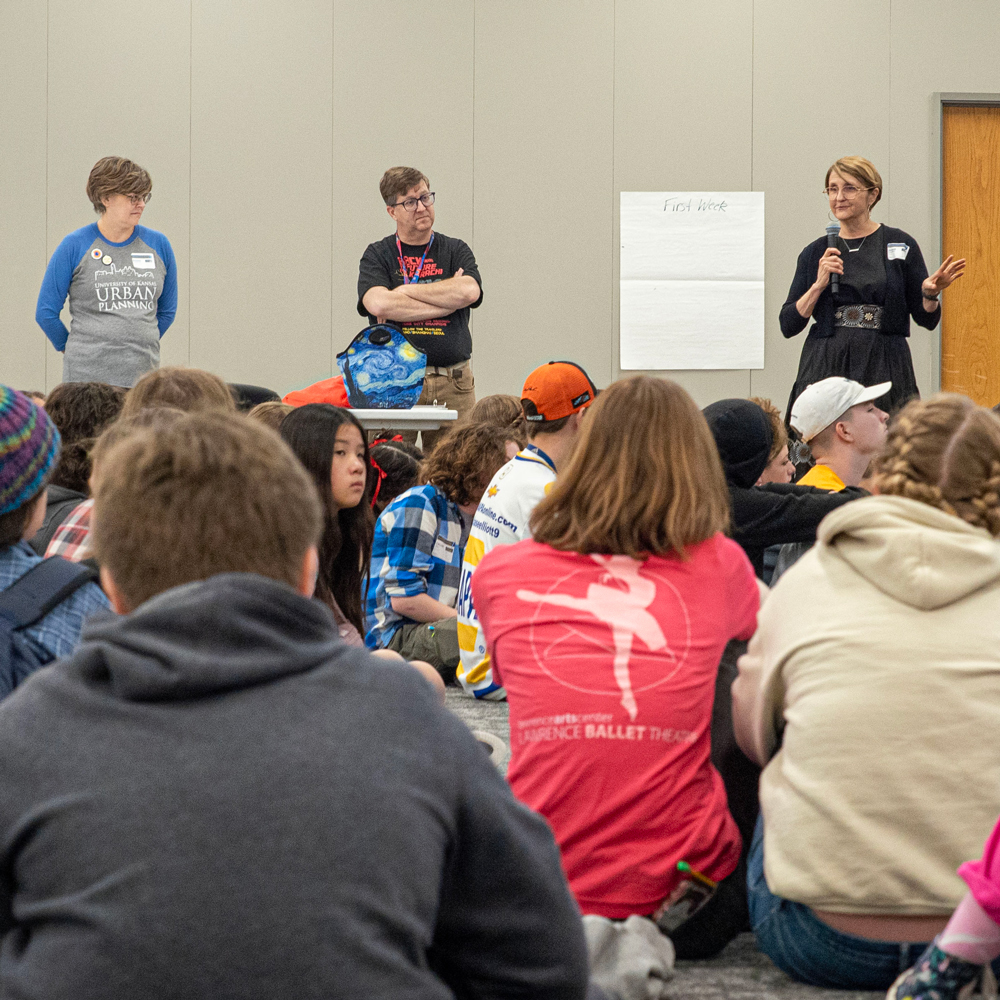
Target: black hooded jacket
[[774, 513]]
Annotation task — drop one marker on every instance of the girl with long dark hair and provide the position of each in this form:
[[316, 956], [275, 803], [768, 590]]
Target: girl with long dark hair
[[332, 445]]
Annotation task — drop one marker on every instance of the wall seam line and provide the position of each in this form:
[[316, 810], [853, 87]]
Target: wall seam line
[[615, 244], [45, 354], [753, 73], [333, 77], [190, 163], [473, 234]]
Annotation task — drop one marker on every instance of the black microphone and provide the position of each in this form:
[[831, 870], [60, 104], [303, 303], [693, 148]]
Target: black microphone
[[832, 232]]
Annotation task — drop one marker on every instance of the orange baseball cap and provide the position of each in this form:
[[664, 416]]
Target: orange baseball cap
[[556, 390]]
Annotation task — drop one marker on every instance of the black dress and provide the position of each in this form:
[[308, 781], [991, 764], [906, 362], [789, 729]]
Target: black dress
[[865, 354]]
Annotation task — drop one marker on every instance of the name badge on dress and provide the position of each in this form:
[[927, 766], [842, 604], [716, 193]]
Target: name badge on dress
[[443, 550], [897, 251]]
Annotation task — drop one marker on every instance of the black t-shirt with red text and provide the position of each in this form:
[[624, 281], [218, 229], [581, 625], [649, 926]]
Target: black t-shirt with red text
[[446, 341]]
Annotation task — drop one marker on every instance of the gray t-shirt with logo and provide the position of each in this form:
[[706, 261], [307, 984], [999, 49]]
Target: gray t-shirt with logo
[[122, 298]]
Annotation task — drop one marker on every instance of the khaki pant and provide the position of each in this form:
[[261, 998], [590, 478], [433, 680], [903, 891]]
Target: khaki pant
[[435, 642], [457, 392]]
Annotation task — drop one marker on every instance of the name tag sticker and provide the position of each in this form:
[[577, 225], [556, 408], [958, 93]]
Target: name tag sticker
[[143, 261], [443, 550], [897, 251]]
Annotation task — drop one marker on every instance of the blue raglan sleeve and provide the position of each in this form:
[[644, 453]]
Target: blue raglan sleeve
[[166, 308], [55, 288]]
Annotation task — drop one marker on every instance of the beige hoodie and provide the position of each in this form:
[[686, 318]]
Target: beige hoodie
[[876, 666]]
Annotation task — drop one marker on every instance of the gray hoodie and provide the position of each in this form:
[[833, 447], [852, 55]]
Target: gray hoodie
[[216, 797]]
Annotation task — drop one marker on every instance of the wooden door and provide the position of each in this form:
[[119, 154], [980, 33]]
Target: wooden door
[[970, 339]]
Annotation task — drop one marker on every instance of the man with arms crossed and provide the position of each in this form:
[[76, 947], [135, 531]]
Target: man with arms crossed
[[553, 399], [424, 283]]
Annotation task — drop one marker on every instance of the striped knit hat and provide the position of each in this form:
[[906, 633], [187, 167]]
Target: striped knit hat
[[29, 446]]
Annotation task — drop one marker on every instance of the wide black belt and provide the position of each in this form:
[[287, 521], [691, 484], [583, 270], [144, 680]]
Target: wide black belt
[[863, 317]]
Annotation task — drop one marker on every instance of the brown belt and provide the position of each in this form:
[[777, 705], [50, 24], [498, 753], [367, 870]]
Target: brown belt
[[450, 372]]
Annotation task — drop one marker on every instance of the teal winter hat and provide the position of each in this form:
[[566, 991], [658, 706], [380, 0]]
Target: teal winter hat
[[29, 446]]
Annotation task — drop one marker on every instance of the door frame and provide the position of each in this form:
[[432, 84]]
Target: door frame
[[941, 101]]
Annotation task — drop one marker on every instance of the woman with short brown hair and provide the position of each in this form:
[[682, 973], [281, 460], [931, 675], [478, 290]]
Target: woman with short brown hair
[[121, 280], [860, 332], [607, 629]]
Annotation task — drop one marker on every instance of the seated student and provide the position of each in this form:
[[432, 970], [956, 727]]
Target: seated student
[[217, 797], [779, 469], [502, 410], [397, 468], [606, 631], [80, 411], [71, 539], [417, 553], [554, 399], [954, 961], [844, 429], [270, 413], [331, 444], [773, 513], [189, 389], [866, 694], [246, 397], [29, 449]]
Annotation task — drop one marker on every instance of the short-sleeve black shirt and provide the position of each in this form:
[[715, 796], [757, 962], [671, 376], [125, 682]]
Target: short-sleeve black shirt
[[446, 341]]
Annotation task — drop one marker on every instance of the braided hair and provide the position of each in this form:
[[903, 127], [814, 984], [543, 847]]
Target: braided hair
[[945, 452]]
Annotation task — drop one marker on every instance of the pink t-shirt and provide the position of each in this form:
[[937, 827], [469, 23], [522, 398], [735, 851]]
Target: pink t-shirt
[[609, 665]]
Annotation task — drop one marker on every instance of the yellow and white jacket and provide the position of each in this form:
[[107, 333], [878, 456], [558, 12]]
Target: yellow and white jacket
[[502, 519]]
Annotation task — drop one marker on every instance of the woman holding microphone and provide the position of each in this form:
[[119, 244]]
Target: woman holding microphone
[[860, 330]]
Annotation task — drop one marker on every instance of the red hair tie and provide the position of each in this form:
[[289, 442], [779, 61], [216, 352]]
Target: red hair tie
[[395, 437], [381, 476]]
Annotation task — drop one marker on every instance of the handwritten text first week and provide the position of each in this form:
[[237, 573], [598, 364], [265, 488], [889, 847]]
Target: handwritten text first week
[[704, 205]]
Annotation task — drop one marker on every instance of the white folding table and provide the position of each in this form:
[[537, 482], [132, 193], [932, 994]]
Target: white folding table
[[419, 418]]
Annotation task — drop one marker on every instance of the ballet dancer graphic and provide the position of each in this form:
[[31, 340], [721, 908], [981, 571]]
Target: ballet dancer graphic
[[624, 610]]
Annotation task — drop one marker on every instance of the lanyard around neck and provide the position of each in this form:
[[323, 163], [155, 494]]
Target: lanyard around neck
[[541, 454], [415, 278]]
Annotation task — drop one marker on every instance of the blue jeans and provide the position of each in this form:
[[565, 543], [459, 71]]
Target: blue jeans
[[812, 952]]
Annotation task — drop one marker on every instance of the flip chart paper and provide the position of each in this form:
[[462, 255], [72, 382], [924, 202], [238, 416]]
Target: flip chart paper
[[692, 280]]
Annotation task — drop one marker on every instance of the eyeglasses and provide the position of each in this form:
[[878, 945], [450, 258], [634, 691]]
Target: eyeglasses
[[137, 198], [426, 199], [848, 191]]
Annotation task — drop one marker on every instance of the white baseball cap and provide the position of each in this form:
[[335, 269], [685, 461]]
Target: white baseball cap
[[822, 403]]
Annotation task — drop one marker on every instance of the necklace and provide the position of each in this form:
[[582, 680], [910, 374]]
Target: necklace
[[851, 249]]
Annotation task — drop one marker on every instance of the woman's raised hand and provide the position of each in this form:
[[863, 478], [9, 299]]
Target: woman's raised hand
[[949, 270], [829, 263]]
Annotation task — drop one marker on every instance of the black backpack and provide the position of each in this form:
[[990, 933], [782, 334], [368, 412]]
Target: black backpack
[[26, 602]]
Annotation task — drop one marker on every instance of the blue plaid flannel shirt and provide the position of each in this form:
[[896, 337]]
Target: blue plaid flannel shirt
[[418, 547], [59, 631]]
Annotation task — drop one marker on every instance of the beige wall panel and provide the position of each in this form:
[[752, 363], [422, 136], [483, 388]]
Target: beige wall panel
[[820, 91], [261, 107], [933, 54], [683, 104], [130, 99], [22, 194], [544, 188], [410, 105]]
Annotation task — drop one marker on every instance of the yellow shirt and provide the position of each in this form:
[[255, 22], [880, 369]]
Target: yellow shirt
[[823, 478]]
